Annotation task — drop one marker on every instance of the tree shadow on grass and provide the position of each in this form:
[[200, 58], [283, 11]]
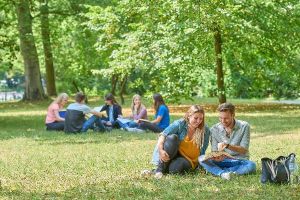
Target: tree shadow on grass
[[97, 138], [33, 127]]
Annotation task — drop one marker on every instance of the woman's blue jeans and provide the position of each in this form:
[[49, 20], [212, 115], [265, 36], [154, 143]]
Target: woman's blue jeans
[[131, 124], [55, 126]]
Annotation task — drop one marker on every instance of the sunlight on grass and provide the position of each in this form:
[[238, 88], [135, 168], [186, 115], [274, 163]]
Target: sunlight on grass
[[35, 164]]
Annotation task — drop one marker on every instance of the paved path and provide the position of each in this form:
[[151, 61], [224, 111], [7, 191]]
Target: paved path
[[288, 102], [9, 96]]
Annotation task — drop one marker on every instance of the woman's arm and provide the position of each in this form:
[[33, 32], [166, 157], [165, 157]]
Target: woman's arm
[[206, 140], [157, 120], [119, 110], [142, 114], [161, 113], [163, 155], [57, 117]]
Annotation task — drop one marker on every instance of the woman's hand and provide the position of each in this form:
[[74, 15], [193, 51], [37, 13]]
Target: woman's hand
[[163, 156]]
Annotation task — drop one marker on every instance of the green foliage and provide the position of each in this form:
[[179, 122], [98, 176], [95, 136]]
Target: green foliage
[[166, 46], [10, 58], [172, 42]]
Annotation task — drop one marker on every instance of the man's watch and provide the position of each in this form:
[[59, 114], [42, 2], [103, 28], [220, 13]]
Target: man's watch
[[227, 145]]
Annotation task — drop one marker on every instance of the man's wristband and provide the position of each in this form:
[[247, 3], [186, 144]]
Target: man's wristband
[[227, 146]]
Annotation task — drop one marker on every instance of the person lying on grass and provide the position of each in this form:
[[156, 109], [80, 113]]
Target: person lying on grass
[[232, 136], [181, 143]]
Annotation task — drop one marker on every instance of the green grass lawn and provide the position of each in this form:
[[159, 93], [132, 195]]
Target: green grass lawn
[[35, 164]]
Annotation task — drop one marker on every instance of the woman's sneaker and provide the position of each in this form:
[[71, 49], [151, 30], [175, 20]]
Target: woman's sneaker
[[148, 173], [158, 175]]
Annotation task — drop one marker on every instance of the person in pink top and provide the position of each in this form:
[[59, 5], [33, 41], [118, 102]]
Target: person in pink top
[[54, 122]]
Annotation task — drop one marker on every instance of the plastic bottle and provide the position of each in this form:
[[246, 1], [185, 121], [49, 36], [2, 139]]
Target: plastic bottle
[[293, 167]]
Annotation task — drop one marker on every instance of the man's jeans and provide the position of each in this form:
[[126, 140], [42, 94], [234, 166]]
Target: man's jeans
[[237, 166], [92, 123]]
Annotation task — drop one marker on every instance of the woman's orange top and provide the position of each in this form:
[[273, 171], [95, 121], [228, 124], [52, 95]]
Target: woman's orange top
[[190, 151]]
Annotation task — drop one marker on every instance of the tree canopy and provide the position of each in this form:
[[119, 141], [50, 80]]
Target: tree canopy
[[171, 47]]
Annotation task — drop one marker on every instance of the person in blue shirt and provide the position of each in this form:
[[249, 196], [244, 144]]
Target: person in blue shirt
[[162, 116]]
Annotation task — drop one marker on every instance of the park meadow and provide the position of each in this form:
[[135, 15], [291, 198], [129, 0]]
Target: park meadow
[[36, 164]]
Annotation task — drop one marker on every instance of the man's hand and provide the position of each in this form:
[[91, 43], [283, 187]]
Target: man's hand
[[219, 158], [221, 146], [163, 156]]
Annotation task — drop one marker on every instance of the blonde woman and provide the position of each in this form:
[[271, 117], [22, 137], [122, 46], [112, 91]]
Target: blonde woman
[[138, 111], [181, 143], [54, 122]]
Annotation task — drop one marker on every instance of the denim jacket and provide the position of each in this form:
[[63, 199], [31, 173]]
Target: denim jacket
[[179, 127]]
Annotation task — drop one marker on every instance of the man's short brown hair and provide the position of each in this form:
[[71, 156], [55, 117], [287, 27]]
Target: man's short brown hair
[[79, 97], [226, 107]]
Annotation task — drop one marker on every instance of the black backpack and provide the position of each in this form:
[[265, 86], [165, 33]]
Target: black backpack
[[276, 171]]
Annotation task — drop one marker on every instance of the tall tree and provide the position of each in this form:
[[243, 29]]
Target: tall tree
[[48, 56], [33, 84], [219, 65]]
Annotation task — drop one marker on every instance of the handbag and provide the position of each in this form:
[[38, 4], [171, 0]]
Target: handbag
[[276, 171]]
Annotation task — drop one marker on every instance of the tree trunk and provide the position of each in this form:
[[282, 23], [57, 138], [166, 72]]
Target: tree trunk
[[50, 77], [219, 66], [33, 84], [78, 90], [122, 89], [114, 81]]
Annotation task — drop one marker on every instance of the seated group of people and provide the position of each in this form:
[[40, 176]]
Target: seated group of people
[[181, 145], [75, 117]]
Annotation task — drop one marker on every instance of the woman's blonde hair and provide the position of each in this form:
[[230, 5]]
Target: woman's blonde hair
[[198, 137], [60, 97], [138, 110]]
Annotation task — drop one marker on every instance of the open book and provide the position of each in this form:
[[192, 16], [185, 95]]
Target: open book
[[216, 154], [124, 120], [97, 109], [145, 120]]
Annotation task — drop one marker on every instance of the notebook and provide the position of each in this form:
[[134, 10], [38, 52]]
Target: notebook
[[98, 109], [216, 154], [124, 120]]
